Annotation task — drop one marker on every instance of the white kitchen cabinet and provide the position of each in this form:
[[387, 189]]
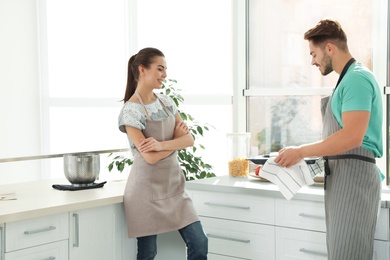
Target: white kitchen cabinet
[[300, 244], [36, 231], [234, 206], [129, 245], [300, 232], [382, 231], [308, 215], [238, 226], [43, 238], [96, 233], [239, 239], [212, 256], [381, 250], [1, 241], [382, 236], [51, 251], [171, 246]]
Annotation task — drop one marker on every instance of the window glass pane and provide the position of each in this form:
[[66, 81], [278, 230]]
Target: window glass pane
[[196, 38], [86, 48], [218, 119], [277, 122], [75, 129], [197, 46], [279, 56]]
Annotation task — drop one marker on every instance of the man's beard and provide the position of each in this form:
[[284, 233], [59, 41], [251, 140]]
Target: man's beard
[[327, 64]]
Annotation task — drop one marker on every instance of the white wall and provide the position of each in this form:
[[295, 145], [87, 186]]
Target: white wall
[[19, 89]]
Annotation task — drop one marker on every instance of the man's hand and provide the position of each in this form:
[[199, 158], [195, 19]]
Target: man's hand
[[288, 156]]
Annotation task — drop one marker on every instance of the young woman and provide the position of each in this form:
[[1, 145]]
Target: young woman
[[154, 199]]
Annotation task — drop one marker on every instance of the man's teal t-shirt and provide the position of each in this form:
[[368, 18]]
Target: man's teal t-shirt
[[359, 90]]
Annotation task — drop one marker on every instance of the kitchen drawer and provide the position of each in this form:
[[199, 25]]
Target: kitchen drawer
[[212, 256], [239, 239], [301, 214], [381, 250], [382, 231], [300, 244], [37, 231], [310, 215], [234, 206], [56, 250]]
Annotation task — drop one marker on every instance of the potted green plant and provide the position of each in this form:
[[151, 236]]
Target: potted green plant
[[192, 165]]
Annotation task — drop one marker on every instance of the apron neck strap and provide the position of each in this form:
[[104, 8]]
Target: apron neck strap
[[142, 103], [352, 60], [162, 103]]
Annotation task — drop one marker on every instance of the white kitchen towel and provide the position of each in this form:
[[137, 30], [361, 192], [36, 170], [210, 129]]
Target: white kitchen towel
[[289, 180]]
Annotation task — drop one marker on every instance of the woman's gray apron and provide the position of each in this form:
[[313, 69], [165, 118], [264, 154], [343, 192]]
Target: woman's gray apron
[[351, 199], [154, 198]]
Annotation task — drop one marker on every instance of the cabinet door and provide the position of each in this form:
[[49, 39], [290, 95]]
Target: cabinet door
[[56, 250], [238, 239], [1, 241], [95, 233], [171, 246], [300, 244], [381, 250], [382, 231]]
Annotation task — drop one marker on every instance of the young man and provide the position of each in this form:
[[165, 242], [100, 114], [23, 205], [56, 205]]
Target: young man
[[352, 138]]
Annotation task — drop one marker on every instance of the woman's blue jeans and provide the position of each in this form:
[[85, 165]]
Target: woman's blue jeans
[[193, 236]]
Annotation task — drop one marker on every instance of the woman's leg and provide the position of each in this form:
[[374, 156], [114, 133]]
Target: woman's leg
[[196, 241], [146, 247]]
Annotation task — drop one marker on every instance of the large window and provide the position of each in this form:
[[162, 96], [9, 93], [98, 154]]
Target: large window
[[83, 72], [215, 49], [85, 65], [284, 89]]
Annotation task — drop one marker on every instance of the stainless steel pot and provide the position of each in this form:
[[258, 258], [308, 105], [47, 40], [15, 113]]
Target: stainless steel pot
[[81, 169]]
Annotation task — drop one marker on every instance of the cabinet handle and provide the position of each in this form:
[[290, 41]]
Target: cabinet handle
[[30, 232], [1, 239], [226, 206], [311, 216], [246, 241], [76, 230], [303, 250], [50, 258]]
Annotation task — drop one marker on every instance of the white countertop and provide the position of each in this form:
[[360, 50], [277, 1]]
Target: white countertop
[[254, 186], [37, 199]]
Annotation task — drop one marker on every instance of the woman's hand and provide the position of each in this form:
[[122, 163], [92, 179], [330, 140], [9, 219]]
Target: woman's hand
[[149, 145], [181, 129]]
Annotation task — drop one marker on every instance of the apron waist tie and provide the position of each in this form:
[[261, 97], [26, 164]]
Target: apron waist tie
[[343, 156]]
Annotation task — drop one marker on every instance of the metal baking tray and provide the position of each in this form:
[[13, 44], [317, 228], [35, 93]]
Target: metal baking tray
[[262, 160]]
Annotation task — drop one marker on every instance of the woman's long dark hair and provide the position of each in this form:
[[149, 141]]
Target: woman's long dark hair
[[144, 57]]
